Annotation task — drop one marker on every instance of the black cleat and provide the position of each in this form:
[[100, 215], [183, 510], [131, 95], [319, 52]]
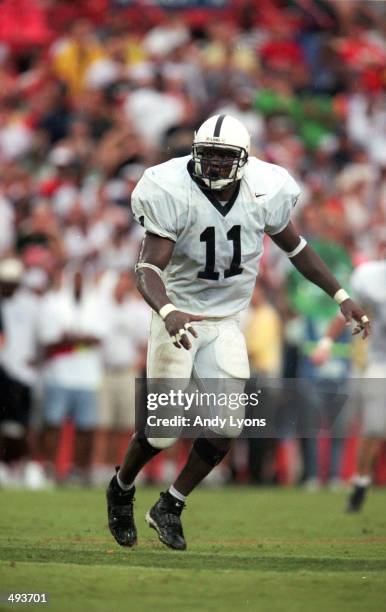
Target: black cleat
[[356, 499], [164, 517], [120, 512]]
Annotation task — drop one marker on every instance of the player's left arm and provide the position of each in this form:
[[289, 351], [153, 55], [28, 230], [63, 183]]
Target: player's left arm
[[313, 268]]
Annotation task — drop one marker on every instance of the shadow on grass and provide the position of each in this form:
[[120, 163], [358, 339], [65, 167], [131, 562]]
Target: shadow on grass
[[167, 559]]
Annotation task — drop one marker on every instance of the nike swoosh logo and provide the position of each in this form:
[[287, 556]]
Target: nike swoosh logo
[[259, 195]]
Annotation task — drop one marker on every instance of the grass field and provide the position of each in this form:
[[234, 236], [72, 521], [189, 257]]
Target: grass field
[[248, 549]]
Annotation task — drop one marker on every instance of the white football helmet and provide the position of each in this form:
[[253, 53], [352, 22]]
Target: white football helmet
[[220, 151]]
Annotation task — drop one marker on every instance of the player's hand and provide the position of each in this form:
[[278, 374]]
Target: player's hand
[[178, 325], [351, 311]]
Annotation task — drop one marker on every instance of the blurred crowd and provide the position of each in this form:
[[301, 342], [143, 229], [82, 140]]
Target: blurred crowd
[[92, 93]]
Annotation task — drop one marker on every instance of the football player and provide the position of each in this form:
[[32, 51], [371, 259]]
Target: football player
[[368, 284], [205, 217]]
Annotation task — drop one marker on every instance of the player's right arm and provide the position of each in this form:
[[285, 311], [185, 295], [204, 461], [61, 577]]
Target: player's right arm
[[160, 213], [154, 256]]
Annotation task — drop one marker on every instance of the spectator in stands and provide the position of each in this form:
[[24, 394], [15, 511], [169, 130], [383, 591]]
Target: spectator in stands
[[20, 303], [263, 334], [71, 331], [124, 358], [73, 55]]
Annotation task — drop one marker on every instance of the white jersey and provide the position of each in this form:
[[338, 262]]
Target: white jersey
[[368, 282], [20, 315], [218, 246]]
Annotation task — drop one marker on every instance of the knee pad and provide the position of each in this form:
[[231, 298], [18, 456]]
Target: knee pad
[[159, 444], [209, 452], [147, 447]]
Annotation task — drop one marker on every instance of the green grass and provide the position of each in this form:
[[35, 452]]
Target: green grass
[[248, 549]]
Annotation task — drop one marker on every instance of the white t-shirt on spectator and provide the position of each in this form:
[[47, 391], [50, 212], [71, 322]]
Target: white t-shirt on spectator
[[102, 73], [7, 217], [368, 282], [79, 244], [129, 324], [20, 315], [123, 255], [153, 113], [15, 141], [60, 314]]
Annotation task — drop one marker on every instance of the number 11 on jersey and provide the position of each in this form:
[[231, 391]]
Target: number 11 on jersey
[[209, 236]]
